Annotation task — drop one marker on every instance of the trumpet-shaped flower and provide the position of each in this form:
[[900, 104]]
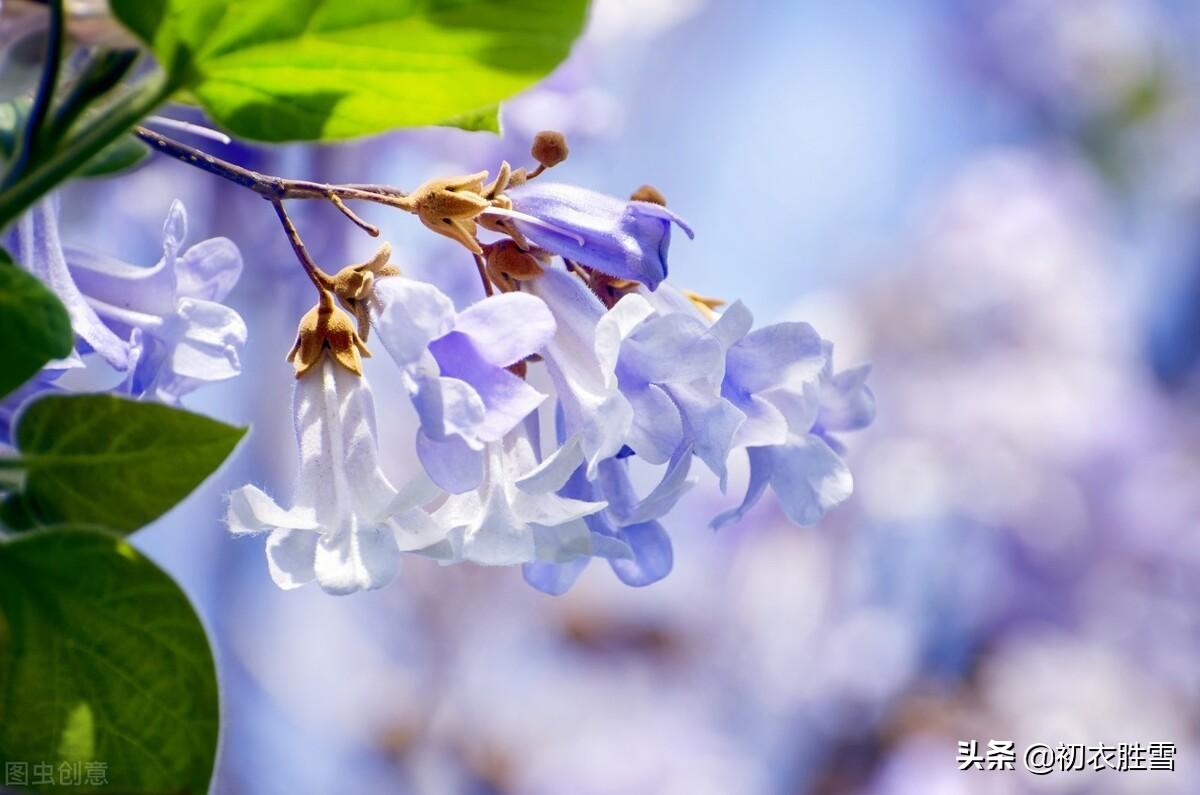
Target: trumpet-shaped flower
[[515, 515], [627, 532], [625, 239], [455, 369], [347, 524], [163, 326], [633, 378], [791, 413]]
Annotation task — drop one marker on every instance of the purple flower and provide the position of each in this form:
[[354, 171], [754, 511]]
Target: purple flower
[[782, 377], [627, 532], [625, 239], [515, 515], [162, 326], [454, 366], [631, 377]]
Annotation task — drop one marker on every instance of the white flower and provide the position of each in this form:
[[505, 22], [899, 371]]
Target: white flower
[[515, 516], [347, 525]]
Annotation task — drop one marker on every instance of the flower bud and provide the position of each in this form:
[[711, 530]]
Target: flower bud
[[649, 193], [505, 256], [450, 207], [327, 328], [549, 148]]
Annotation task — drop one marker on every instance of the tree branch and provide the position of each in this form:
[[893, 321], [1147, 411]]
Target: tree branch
[[278, 188]]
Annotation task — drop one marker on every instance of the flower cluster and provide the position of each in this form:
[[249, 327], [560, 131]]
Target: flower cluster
[[163, 328], [576, 284]]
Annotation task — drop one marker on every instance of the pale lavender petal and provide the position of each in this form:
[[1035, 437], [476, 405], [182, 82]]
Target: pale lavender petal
[[809, 479], [504, 398], [554, 579], [673, 349], [451, 464], [733, 324], [659, 502], [407, 315], [500, 538], [208, 270], [40, 251], [552, 473], [652, 558], [710, 423], [625, 239], [506, 328], [251, 511], [847, 403], [774, 356], [761, 467], [657, 429], [120, 284]]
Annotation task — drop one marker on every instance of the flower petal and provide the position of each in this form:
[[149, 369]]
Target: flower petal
[[500, 538], [210, 342], [506, 328], [774, 356], [208, 270], [554, 579], [356, 558], [847, 403], [809, 479], [761, 466], [40, 251], [251, 510], [652, 558], [290, 557], [451, 464], [657, 429], [408, 315]]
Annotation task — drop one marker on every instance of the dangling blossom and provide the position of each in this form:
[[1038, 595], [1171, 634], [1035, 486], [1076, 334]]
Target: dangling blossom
[[515, 515], [627, 532], [346, 525], [455, 366], [163, 326], [782, 377], [638, 368]]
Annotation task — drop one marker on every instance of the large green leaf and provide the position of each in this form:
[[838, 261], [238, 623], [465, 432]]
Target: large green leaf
[[103, 460], [286, 70], [34, 326], [105, 670]]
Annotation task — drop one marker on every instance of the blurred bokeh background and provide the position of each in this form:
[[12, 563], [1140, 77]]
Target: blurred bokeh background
[[997, 203]]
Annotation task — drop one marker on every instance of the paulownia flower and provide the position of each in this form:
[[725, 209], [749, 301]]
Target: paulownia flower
[[455, 365], [625, 239], [782, 377], [347, 524], [515, 516], [163, 326]]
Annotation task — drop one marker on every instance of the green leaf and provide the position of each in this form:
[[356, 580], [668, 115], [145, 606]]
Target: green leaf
[[33, 324], [486, 120], [104, 666], [287, 70], [103, 460], [122, 154]]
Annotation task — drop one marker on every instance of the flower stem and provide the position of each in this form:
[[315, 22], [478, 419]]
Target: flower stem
[[320, 279]]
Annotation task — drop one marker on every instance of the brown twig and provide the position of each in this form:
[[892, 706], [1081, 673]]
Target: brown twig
[[320, 279], [278, 189], [272, 187]]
